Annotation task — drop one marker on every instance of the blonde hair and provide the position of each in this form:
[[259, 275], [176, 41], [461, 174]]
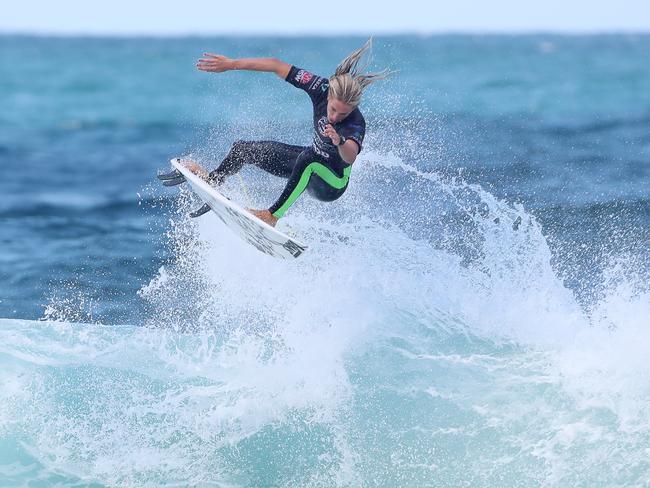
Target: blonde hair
[[349, 80]]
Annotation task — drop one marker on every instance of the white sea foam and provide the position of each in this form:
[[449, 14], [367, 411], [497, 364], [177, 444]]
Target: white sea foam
[[395, 352]]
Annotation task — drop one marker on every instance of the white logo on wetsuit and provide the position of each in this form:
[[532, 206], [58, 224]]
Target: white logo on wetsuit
[[322, 123], [318, 151], [322, 144]]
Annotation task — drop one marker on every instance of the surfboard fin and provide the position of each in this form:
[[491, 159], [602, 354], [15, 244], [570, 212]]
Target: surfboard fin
[[172, 178], [174, 181], [203, 210]]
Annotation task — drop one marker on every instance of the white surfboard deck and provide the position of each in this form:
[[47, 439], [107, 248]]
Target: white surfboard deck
[[251, 229]]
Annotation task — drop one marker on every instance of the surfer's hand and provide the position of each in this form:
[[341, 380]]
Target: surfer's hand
[[214, 63], [332, 134]]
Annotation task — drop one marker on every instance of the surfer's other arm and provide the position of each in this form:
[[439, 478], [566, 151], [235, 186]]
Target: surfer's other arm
[[217, 63], [348, 148]]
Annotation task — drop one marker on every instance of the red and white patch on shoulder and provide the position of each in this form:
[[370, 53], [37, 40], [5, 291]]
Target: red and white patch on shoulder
[[303, 76]]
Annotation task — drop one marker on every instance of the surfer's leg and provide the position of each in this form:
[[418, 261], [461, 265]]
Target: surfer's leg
[[273, 157], [323, 182], [323, 190]]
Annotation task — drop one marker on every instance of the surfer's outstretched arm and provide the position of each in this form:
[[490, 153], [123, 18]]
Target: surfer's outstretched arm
[[217, 63]]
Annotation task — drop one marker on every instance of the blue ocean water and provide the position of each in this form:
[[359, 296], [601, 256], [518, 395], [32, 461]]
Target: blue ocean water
[[474, 312]]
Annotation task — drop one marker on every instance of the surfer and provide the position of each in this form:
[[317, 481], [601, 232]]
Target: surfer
[[323, 168]]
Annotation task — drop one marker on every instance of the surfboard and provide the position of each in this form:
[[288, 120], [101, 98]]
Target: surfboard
[[254, 231]]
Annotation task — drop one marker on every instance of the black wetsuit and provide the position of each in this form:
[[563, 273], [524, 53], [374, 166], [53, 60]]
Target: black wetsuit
[[318, 168]]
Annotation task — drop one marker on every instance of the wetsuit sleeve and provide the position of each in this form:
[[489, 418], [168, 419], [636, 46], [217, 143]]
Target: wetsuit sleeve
[[355, 131], [315, 86]]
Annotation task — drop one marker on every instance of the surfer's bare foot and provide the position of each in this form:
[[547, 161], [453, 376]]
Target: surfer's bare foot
[[195, 168], [264, 216]]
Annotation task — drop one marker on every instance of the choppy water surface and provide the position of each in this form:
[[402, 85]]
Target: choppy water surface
[[474, 311]]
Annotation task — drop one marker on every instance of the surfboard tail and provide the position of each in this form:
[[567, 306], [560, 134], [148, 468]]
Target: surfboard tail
[[201, 211]]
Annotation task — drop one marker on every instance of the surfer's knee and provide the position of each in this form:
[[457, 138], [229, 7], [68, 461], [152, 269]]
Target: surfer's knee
[[240, 145]]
